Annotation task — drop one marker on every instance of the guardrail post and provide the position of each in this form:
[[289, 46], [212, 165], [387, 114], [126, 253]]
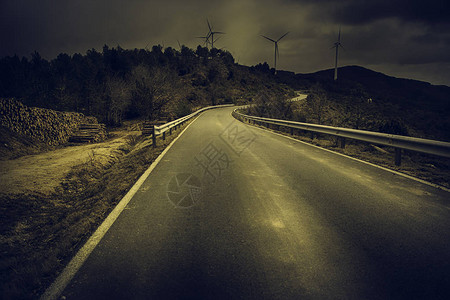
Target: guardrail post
[[292, 131], [398, 156], [164, 136], [154, 136], [342, 142], [170, 130]]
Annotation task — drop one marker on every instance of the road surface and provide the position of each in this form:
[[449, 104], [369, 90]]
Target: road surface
[[235, 212]]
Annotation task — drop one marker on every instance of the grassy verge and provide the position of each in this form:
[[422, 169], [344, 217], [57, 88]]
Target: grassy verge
[[39, 234], [430, 168]]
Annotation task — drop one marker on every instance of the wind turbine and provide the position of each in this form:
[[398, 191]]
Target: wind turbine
[[337, 45], [276, 48], [212, 33], [206, 38]]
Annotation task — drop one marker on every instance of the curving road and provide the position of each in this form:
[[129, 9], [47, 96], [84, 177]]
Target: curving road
[[235, 212]]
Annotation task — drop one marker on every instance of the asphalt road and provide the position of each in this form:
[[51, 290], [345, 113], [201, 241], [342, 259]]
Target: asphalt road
[[235, 212]]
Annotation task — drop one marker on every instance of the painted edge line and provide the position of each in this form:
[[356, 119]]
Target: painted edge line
[[63, 279], [359, 160]]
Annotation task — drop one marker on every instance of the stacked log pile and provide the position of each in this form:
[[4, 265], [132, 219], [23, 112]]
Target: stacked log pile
[[88, 133], [44, 125]]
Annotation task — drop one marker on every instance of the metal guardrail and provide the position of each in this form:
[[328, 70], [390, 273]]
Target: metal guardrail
[[399, 142], [161, 130]]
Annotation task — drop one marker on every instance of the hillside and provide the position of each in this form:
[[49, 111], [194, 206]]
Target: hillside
[[421, 108], [389, 88]]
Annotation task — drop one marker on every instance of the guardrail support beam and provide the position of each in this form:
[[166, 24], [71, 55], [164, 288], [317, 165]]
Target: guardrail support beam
[[342, 142], [398, 156], [154, 136]]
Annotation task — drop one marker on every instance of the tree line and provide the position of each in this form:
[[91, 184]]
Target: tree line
[[117, 84]]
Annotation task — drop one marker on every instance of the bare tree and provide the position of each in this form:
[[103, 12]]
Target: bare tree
[[153, 89], [118, 99]]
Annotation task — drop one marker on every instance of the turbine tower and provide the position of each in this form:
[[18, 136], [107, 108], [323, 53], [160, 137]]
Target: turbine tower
[[337, 45], [276, 48]]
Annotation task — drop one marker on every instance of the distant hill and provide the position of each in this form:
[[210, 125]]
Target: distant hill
[[375, 83], [423, 107], [390, 88]]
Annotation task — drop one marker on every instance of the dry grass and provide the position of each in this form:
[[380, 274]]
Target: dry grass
[[39, 234]]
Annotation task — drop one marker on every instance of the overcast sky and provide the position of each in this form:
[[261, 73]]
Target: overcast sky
[[403, 38]]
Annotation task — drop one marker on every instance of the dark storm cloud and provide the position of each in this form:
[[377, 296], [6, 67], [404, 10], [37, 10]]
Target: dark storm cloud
[[52, 26], [360, 12], [399, 37], [366, 11]]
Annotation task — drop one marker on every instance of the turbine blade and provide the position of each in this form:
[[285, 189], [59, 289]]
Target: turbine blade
[[282, 36], [268, 38], [209, 26], [219, 32]]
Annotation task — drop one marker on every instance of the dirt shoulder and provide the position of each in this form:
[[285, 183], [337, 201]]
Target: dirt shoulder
[[42, 173]]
